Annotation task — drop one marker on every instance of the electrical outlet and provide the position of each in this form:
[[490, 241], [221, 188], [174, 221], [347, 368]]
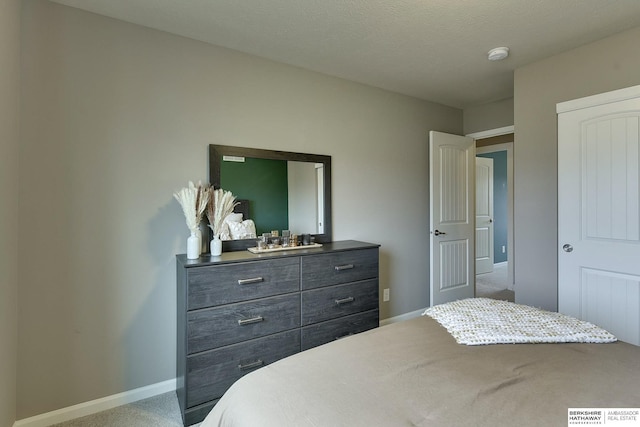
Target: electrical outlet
[[504, 249], [385, 295]]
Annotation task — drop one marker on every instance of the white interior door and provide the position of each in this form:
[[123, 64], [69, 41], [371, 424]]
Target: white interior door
[[484, 215], [452, 204], [599, 215]]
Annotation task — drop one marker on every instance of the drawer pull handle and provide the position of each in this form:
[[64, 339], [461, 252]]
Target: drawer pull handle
[[344, 267], [251, 365], [344, 336], [256, 319], [250, 281], [345, 300]]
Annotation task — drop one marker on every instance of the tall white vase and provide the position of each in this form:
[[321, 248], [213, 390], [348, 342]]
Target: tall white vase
[[216, 246], [199, 234], [193, 246]]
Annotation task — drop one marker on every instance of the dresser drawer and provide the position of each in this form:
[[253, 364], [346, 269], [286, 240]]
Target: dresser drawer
[[336, 301], [339, 267], [228, 283], [331, 330], [209, 374], [215, 327]]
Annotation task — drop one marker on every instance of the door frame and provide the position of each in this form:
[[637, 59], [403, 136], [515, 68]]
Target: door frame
[[508, 147], [486, 264]]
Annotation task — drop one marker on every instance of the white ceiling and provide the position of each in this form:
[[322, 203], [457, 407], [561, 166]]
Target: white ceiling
[[430, 49]]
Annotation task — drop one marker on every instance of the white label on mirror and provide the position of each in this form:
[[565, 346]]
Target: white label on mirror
[[233, 159]]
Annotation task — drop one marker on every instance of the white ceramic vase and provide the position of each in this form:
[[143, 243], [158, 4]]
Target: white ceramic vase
[[193, 246], [216, 246], [199, 235]]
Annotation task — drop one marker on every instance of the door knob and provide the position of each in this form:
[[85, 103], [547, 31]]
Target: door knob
[[567, 247], [438, 233]]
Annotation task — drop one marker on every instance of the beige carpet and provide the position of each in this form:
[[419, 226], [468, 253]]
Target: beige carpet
[[158, 411], [495, 284]]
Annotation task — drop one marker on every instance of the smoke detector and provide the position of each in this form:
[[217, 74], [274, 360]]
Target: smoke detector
[[498, 53]]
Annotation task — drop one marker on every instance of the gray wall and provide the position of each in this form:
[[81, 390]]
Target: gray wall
[[9, 145], [606, 65], [115, 118], [488, 116]]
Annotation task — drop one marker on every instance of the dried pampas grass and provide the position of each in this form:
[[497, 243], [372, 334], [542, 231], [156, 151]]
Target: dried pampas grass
[[194, 200], [221, 204]]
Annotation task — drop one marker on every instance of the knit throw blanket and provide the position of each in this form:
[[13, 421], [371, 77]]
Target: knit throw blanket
[[479, 321]]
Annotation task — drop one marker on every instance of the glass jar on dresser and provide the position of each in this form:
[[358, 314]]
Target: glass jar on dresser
[[240, 311]]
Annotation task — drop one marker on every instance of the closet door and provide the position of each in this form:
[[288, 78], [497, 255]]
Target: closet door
[[599, 212]]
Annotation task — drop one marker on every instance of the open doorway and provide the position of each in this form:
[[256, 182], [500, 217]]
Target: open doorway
[[497, 282]]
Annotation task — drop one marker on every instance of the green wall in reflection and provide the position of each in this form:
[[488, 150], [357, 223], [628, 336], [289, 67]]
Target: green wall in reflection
[[264, 183]]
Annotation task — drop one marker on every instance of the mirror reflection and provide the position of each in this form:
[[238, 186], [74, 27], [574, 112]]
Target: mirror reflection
[[289, 196], [277, 190]]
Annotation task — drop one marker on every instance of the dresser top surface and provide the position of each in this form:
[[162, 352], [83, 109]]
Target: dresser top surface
[[238, 256]]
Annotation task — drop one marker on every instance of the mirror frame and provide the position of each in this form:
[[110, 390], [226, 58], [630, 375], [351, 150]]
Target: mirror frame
[[216, 152]]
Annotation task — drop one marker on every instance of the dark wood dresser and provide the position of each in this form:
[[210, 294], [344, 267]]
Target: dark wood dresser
[[240, 311]]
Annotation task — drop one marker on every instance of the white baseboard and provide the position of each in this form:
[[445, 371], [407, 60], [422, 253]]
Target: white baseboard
[[402, 317], [97, 405]]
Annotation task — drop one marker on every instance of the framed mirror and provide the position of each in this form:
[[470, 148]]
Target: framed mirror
[[279, 190]]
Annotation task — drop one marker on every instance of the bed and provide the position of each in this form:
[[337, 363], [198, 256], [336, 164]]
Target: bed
[[414, 373]]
